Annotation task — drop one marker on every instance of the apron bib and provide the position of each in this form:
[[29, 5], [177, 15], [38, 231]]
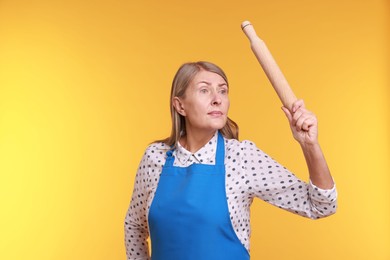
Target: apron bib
[[189, 216]]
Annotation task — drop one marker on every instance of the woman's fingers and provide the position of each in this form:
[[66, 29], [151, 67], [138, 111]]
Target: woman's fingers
[[307, 123], [303, 119], [303, 122]]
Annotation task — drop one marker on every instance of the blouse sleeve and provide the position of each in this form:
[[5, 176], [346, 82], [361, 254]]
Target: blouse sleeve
[[136, 228], [273, 183]]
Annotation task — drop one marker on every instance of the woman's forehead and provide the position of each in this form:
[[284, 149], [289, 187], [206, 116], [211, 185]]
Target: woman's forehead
[[208, 77]]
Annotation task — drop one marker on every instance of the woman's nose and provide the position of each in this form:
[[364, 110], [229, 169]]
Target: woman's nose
[[216, 99]]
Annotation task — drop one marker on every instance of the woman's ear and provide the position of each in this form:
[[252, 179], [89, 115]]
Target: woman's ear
[[179, 106]]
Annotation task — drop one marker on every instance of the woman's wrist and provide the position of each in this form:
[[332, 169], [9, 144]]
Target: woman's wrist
[[311, 146]]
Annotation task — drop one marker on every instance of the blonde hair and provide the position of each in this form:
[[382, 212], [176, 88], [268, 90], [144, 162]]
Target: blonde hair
[[181, 81]]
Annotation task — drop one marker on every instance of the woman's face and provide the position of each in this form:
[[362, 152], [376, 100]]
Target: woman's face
[[206, 103]]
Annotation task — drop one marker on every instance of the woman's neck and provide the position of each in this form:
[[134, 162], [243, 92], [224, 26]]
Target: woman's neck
[[192, 141]]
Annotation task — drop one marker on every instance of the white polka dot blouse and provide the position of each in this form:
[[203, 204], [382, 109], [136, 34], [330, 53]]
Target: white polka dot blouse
[[250, 173]]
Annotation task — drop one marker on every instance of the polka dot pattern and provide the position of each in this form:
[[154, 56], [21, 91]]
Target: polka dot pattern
[[250, 173]]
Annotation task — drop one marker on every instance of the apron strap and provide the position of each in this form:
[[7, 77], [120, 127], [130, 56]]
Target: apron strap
[[170, 157], [220, 157]]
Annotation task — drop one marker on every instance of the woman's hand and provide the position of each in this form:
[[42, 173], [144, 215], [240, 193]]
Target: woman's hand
[[303, 123], [304, 127]]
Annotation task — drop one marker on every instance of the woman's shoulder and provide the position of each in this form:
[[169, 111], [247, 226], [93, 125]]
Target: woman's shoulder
[[157, 148], [234, 144], [246, 150], [155, 153]]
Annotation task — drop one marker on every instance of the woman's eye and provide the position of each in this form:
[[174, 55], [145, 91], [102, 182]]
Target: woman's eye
[[204, 90], [224, 91]]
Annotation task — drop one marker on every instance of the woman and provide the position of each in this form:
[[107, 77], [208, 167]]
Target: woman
[[193, 190]]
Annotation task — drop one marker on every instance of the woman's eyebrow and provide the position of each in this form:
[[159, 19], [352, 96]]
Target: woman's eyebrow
[[203, 81], [208, 83]]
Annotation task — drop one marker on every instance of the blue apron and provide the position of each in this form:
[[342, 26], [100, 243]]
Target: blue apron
[[189, 216]]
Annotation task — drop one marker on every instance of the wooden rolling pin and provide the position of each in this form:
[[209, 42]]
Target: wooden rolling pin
[[269, 65]]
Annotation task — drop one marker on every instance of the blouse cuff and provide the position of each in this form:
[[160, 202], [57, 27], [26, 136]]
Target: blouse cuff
[[324, 194]]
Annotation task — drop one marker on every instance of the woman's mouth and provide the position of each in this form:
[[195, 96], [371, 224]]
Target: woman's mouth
[[215, 113]]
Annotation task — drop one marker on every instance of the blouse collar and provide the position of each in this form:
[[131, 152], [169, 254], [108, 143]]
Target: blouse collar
[[205, 155]]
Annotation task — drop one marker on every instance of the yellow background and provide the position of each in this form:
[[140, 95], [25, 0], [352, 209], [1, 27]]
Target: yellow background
[[84, 87]]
